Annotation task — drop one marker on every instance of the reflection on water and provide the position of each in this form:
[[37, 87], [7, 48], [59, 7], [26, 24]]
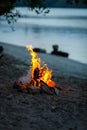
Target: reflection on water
[[65, 27]]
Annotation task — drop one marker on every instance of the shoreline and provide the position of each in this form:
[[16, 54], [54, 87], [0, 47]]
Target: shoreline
[[67, 67], [24, 48]]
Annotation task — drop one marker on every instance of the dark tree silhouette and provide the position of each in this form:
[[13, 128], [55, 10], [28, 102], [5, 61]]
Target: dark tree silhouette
[[69, 1], [6, 6], [38, 5], [85, 2], [77, 2]]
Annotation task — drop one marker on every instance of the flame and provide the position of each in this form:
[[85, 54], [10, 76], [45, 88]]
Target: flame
[[40, 72]]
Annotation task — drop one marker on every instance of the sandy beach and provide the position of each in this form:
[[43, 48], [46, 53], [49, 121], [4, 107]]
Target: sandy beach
[[58, 64], [65, 111]]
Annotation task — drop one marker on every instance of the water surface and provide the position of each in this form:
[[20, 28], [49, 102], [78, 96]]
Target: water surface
[[65, 27]]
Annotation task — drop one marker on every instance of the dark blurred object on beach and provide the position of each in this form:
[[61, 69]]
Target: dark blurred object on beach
[[1, 51], [39, 50], [59, 53]]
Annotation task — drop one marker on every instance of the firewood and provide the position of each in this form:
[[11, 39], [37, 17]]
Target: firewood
[[56, 90], [34, 90], [20, 87], [45, 89], [49, 90], [43, 83], [23, 85]]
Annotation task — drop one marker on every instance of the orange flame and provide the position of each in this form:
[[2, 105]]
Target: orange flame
[[40, 72]]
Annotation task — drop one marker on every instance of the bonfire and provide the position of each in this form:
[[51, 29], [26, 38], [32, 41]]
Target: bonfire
[[39, 77]]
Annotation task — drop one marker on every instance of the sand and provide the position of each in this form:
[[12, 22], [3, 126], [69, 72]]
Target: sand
[[65, 111]]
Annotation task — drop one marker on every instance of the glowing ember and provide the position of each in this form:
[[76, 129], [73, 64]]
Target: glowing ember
[[40, 72]]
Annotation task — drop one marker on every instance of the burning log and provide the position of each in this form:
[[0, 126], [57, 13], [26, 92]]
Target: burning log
[[29, 88], [24, 85], [34, 90], [49, 90], [39, 79]]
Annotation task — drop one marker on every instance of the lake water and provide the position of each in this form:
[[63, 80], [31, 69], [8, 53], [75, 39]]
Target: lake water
[[65, 27]]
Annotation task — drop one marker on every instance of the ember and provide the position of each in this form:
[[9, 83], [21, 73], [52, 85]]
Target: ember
[[39, 77]]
